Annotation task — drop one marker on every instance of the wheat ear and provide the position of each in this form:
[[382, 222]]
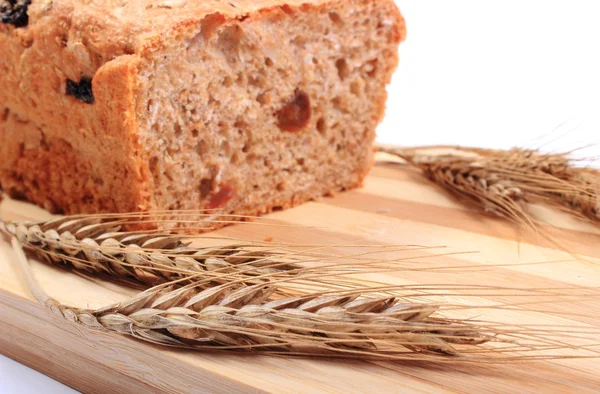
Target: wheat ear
[[238, 317], [345, 323], [96, 245], [505, 182]]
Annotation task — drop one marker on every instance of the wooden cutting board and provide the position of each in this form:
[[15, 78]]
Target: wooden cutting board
[[396, 206]]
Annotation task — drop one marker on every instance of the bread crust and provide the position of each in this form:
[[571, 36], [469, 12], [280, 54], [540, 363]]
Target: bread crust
[[73, 157]]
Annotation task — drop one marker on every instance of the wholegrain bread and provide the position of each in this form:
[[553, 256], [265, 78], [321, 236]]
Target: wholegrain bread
[[242, 106]]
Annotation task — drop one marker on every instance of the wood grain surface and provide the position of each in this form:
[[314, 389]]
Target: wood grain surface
[[396, 206]]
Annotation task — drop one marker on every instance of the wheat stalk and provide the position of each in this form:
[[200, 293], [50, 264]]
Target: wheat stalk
[[244, 318], [505, 182], [357, 323], [238, 317], [261, 309], [244, 298], [97, 245]]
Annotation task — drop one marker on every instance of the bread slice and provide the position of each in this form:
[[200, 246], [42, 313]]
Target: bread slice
[[242, 106]]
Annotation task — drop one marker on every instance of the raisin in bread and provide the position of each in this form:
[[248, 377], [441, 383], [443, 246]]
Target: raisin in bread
[[243, 106]]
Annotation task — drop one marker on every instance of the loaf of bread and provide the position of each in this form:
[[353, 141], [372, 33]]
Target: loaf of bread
[[243, 106]]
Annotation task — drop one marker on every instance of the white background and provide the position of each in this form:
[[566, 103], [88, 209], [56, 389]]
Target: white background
[[477, 73], [498, 74]]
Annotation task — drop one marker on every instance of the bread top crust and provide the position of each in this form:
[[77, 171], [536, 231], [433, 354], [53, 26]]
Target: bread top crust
[[115, 27], [97, 31]]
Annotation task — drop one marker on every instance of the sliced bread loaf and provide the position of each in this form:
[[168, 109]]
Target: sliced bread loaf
[[243, 106]]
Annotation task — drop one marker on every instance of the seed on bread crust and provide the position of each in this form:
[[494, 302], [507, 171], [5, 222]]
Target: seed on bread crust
[[14, 12], [81, 90]]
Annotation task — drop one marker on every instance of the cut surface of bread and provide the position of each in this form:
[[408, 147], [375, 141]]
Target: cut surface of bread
[[243, 107]]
